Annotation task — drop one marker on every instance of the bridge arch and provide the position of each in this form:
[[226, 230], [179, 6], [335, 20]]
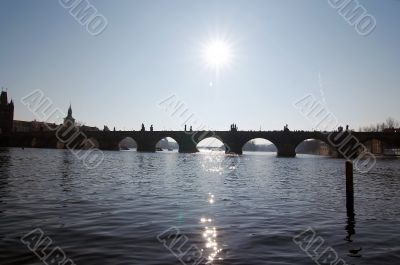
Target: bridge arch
[[127, 143], [161, 142], [150, 142], [167, 143], [259, 145], [212, 142], [315, 146]]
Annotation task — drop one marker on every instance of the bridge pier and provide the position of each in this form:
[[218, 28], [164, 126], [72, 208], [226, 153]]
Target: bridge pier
[[187, 145], [144, 146], [286, 150], [286, 154], [188, 149], [106, 145], [233, 148]]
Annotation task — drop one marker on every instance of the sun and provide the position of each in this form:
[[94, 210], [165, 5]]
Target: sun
[[217, 54]]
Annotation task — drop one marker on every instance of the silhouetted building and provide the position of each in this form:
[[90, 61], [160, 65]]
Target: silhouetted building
[[32, 126], [39, 126], [8, 124], [6, 114]]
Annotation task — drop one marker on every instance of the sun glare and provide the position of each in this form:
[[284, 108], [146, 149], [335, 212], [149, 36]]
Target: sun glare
[[217, 54]]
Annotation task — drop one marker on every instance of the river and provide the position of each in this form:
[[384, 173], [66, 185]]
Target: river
[[227, 209]]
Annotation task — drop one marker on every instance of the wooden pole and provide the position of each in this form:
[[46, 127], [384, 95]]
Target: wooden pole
[[349, 181], [350, 200]]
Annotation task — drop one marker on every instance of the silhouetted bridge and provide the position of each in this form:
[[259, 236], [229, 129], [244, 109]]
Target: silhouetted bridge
[[285, 141]]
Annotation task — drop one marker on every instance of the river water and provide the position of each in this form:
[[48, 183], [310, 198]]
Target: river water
[[226, 209]]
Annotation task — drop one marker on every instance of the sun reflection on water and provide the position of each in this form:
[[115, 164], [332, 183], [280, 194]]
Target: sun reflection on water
[[212, 161], [219, 162], [210, 236], [210, 198]]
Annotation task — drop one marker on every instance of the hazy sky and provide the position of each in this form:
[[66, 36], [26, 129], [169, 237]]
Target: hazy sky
[[282, 51]]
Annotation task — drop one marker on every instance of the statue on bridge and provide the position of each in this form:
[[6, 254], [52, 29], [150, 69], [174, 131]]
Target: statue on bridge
[[151, 128], [286, 128], [143, 128], [234, 128]]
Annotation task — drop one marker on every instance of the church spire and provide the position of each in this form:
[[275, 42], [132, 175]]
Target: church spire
[[70, 111], [69, 116]]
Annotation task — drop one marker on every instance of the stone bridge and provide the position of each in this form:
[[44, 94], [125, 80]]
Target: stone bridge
[[286, 141]]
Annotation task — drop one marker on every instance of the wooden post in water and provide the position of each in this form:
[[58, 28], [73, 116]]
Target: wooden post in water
[[350, 201], [349, 183]]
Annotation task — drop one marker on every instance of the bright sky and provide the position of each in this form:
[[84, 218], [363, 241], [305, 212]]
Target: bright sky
[[273, 53]]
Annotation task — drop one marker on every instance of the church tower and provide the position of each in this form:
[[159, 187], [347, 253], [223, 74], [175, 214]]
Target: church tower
[[6, 113], [69, 117]]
